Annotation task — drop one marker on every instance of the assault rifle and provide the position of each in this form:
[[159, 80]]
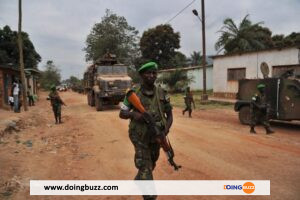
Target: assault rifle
[[160, 137]]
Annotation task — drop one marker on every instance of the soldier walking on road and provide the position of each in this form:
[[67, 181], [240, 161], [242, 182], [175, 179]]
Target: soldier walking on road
[[259, 110], [56, 103], [157, 103], [188, 100]]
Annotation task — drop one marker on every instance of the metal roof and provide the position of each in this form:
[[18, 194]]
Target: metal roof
[[254, 51], [184, 68]]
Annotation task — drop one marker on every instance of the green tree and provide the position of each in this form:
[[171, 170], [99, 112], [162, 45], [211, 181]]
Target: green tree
[[51, 75], [290, 40], [115, 35], [159, 44], [176, 80], [9, 52], [179, 60], [245, 37], [73, 81], [196, 58], [278, 40]]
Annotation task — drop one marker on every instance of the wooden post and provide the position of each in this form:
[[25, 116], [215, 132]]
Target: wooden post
[[204, 95], [21, 60]]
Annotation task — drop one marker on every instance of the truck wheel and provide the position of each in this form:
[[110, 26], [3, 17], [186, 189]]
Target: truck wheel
[[99, 103], [92, 100], [244, 115], [88, 99]]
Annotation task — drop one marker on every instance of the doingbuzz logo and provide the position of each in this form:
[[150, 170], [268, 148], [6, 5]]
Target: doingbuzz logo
[[248, 187]]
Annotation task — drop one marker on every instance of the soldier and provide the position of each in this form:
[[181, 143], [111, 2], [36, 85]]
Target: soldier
[[157, 103], [259, 110], [188, 100], [56, 103]]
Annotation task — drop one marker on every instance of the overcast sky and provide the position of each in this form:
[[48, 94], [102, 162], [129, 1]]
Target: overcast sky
[[58, 28]]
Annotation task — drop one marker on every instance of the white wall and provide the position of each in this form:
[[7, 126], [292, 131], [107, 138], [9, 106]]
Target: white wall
[[197, 74], [250, 61], [198, 78]]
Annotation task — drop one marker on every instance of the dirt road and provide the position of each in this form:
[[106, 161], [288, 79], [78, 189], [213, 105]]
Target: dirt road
[[92, 145]]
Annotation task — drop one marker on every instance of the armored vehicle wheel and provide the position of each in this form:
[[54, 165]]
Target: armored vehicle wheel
[[98, 103], [92, 100], [244, 115], [88, 99]]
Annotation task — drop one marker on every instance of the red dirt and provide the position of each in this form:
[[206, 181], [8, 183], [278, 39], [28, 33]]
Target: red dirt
[[92, 145]]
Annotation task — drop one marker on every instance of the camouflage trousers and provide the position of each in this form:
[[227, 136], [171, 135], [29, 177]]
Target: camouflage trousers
[[259, 117], [57, 111], [188, 107], [146, 155]]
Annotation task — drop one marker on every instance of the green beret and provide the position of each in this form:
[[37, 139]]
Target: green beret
[[259, 86], [148, 65]]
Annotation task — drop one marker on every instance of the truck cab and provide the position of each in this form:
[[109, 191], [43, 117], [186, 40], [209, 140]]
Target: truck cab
[[106, 82]]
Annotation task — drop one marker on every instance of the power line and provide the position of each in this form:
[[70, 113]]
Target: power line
[[181, 11]]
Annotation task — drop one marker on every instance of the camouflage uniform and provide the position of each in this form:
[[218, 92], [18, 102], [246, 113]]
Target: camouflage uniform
[[259, 111], [188, 100], [157, 103], [56, 103]]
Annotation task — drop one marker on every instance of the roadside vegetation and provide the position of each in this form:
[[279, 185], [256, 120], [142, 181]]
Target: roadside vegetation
[[178, 101]]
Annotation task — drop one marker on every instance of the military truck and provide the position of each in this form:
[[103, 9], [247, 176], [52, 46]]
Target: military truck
[[105, 82], [282, 93]]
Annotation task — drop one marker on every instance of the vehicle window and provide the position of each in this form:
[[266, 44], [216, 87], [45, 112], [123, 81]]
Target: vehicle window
[[106, 70], [119, 69]]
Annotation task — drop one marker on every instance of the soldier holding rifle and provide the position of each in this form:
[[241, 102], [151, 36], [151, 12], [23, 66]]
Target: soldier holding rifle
[[56, 103], [150, 112], [259, 110], [188, 100]]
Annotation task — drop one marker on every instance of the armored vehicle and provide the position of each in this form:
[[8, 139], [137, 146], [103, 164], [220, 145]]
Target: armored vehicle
[[282, 94], [106, 82]]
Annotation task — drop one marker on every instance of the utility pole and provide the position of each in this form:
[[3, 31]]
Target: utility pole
[[21, 60], [202, 19], [204, 95]]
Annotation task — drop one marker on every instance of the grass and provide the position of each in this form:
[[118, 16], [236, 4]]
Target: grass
[[178, 101]]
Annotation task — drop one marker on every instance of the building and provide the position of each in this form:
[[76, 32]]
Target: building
[[196, 73], [230, 68], [8, 73], [32, 77]]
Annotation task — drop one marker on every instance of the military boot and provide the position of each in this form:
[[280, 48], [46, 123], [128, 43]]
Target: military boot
[[252, 130], [190, 113]]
